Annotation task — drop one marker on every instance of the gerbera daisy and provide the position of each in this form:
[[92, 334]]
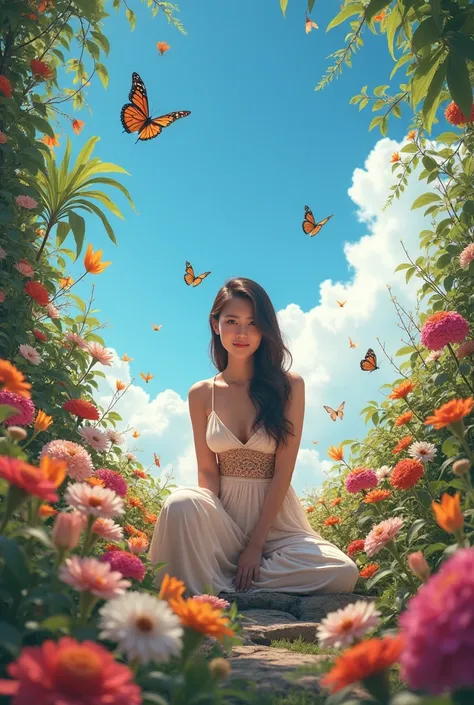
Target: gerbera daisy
[[344, 626]]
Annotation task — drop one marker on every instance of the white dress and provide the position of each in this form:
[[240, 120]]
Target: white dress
[[201, 536]]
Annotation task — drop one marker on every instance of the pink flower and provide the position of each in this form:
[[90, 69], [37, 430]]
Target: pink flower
[[2, 296], [52, 311], [361, 479], [443, 327], [466, 256], [131, 457], [101, 354], [75, 340], [95, 501], [3, 253], [434, 356], [438, 629], [26, 202], [78, 460], [348, 624], [94, 576], [217, 602], [465, 349], [67, 530], [107, 529], [113, 480], [127, 564], [3, 137], [381, 534], [137, 544], [69, 672], [30, 354], [115, 437], [418, 565], [25, 268], [95, 438], [26, 408]]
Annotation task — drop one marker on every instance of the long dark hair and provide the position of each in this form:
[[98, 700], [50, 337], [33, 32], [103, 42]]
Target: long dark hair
[[270, 387]]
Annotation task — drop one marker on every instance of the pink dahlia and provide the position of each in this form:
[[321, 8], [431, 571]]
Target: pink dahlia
[[95, 501], [466, 256], [438, 626], [129, 565], [465, 349], [113, 480], [115, 437], [101, 354], [361, 479], [26, 409], [217, 602], [26, 202], [78, 460], [52, 311], [107, 529], [25, 268], [442, 328], [95, 438], [381, 534], [73, 340], [30, 354], [71, 673], [94, 576]]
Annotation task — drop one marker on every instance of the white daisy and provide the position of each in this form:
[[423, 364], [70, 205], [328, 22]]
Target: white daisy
[[144, 627], [421, 450], [342, 627], [384, 471], [95, 438]]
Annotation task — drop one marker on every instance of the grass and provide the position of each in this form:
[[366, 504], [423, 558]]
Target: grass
[[304, 647]]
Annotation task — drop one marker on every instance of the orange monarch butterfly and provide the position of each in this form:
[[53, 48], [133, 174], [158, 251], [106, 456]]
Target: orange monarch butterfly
[[189, 277], [310, 226], [352, 344], [135, 116], [155, 327], [334, 414], [369, 363]]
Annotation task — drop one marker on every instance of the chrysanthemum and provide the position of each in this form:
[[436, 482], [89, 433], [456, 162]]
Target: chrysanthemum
[[149, 517], [38, 292], [52, 312], [376, 496], [113, 480], [403, 419], [115, 437], [402, 444], [171, 588], [217, 602], [12, 380], [442, 328], [96, 501], [381, 534], [438, 628], [406, 474], [348, 624], [331, 521], [451, 412], [26, 202], [82, 408], [101, 354], [78, 461], [95, 438], [131, 457], [465, 349], [137, 544], [94, 576], [25, 268], [40, 69], [71, 673], [402, 390], [369, 570], [361, 479], [75, 340], [383, 472], [30, 354], [455, 115], [201, 617], [466, 256], [107, 529], [336, 501], [355, 547], [129, 565], [423, 451], [143, 626], [26, 408]]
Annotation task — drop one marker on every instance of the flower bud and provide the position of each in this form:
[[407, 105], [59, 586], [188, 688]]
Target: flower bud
[[461, 467], [219, 668], [67, 530], [418, 566], [16, 433]]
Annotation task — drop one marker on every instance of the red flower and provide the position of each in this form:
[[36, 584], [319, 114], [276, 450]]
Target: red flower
[[354, 547], [77, 126], [5, 86], [369, 570], [332, 521], [406, 474], [82, 408], [455, 115], [39, 335], [38, 292], [40, 69]]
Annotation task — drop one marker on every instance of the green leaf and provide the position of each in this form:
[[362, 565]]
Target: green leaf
[[424, 498], [61, 233], [78, 226], [378, 576], [102, 41], [374, 7], [434, 548], [424, 199], [57, 621], [93, 49], [283, 5], [463, 44], [427, 32], [423, 76], [103, 74], [310, 5], [353, 8], [41, 125], [131, 17], [415, 529], [451, 447], [442, 378], [433, 96], [10, 639], [459, 83], [14, 559], [6, 411]]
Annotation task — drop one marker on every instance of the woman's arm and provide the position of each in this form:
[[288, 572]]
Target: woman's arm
[[284, 465], [208, 471]]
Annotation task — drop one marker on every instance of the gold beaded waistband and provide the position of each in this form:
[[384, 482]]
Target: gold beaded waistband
[[243, 462]]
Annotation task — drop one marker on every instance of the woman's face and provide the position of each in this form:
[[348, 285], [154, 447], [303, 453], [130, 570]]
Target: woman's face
[[237, 328]]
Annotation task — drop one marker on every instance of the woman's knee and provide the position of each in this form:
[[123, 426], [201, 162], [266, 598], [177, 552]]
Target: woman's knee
[[345, 576], [180, 501]]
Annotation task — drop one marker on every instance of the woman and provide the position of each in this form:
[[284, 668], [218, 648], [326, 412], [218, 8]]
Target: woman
[[244, 528]]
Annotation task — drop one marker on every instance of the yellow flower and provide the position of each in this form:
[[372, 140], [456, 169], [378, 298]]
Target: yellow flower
[[42, 421], [336, 452], [92, 261]]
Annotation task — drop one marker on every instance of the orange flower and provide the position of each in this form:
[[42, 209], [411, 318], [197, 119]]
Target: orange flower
[[380, 16], [149, 517], [321, 501], [135, 502], [50, 141], [46, 510], [376, 496], [54, 470], [77, 126], [412, 135], [40, 232], [40, 482], [42, 421], [119, 385], [66, 282], [201, 617], [92, 261], [336, 502], [162, 47], [406, 474], [171, 588], [448, 514], [40, 69], [38, 292], [133, 531], [126, 358], [157, 460], [147, 377], [402, 390], [44, 5], [369, 570], [310, 509], [95, 481], [332, 521], [451, 412], [404, 418], [395, 158], [136, 434], [12, 380], [402, 444], [140, 473], [362, 661], [336, 452], [5, 86]]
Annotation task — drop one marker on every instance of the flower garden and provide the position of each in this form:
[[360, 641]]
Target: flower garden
[[81, 622]]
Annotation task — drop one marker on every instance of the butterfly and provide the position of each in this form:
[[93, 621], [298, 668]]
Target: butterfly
[[334, 414], [310, 226], [146, 377], [189, 277], [155, 327], [315, 443], [136, 434], [135, 116], [157, 460], [126, 358], [369, 363], [309, 24], [341, 303], [352, 344]]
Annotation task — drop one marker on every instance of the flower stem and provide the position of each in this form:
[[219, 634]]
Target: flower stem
[[453, 355]]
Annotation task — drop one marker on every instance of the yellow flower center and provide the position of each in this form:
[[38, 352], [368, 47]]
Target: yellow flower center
[[79, 670]]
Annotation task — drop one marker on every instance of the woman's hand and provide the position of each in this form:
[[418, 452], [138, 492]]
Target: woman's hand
[[248, 567]]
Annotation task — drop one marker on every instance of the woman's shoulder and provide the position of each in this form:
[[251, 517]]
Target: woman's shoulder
[[296, 380], [200, 390]]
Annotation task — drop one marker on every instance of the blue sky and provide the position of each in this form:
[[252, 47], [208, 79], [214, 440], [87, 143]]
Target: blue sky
[[225, 188]]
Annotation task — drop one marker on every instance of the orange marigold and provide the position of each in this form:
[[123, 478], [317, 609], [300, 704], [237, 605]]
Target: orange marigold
[[119, 386], [50, 141], [310, 509], [376, 496], [332, 521], [162, 47], [448, 514], [412, 135], [12, 380], [451, 412], [140, 473], [402, 444], [402, 390], [336, 501], [404, 418], [135, 502], [150, 518], [369, 570], [406, 474], [93, 481], [362, 661], [202, 617], [133, 531], [171, 588]]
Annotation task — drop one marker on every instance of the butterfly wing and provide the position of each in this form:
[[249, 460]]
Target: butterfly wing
[[369, 363], [189, 275], [153, 128], [135, 114], [340, 410], [310, 227], [331, 412], [200, 278]]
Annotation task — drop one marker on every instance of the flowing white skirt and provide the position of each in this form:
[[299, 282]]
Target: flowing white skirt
[[200, 536]]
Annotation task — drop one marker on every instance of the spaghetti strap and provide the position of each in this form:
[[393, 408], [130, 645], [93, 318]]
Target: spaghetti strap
[[213, 385]]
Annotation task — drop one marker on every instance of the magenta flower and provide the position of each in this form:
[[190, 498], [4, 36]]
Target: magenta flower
[[129, 565], [438, 626], [26, 408], [79, 462], [113, 480], [442, 328], [361, 479], [380, 535]]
